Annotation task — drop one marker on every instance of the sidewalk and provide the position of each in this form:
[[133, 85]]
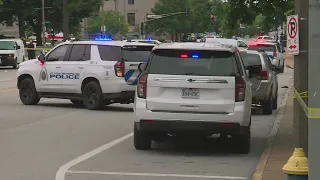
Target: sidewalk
[[283, 146], [280, 144]]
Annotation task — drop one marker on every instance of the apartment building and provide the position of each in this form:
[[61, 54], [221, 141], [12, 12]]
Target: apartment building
[[134, 11]]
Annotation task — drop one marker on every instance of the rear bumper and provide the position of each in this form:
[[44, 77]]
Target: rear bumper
[[241, 115], [179, 127]]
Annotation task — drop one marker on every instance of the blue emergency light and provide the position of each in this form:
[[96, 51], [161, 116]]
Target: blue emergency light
[[103, 38]]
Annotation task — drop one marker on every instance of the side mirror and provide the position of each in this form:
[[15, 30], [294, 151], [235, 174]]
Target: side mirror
[[142, 67], [276, 69], [18, 47], [42, 58], [254, 71]]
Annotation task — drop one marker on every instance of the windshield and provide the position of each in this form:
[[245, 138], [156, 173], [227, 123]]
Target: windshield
[[250, 59], [191, 62], [136, 53], [7, 45], [265, 47]]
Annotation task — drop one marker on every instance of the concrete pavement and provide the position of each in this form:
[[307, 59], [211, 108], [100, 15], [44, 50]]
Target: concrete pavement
[[37, 141]]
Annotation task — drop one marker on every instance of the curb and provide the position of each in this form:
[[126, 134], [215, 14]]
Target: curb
[[258, 173]]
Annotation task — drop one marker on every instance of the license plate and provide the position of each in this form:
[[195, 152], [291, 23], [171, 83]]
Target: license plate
[[190, 94]]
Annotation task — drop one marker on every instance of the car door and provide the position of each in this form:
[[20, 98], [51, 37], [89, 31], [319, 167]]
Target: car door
[[132, 56], [252, 59], [272, 74], [74, 67], [50, 74]]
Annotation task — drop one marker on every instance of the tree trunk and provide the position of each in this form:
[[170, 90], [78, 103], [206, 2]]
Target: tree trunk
[[21, 26], [38, 32]]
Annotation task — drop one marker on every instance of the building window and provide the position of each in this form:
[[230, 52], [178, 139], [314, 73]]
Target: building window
[[131, 17], [131, 2]]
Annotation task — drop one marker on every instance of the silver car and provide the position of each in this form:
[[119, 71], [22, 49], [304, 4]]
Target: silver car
[[264, 86]]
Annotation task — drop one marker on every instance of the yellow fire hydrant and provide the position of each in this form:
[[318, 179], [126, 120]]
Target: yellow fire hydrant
[[297, 166]]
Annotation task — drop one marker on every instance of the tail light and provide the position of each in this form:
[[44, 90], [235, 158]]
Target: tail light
[[119, 69], [240, 90], [264, 75], [274, 55], [142, 86]]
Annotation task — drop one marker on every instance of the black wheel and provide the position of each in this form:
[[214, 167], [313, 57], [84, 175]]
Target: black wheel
[[28, 93], [93, 96], [267, 106], [141, 140], [15, 64], [78, 103], [243, 140], [275, 101]]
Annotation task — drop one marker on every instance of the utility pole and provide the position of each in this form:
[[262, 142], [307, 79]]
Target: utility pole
[[314, 87], [43, 25], [300, 120], [65, 20]]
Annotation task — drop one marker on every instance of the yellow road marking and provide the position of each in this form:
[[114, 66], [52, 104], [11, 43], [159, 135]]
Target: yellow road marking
[[10, 89]]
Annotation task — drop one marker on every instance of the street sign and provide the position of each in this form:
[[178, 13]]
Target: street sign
[[293, 35]]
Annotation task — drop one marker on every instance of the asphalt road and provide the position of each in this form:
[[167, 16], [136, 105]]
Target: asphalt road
[[56, 141]]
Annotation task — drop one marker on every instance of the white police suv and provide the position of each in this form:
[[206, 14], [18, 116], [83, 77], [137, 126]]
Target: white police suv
[[193, 89], [89, 73]]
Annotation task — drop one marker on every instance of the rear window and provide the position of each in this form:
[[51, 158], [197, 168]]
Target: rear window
[[265, 47], [136, 53], [109, 53], [190, 62], [250, 59]]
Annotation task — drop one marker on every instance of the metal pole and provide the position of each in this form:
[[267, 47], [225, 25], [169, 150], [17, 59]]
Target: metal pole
[[43, 25], [314, 87], [300, 120], [65, 19]]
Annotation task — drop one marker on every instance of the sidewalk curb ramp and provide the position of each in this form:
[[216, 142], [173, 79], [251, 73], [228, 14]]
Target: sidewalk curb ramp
[[258, 173]]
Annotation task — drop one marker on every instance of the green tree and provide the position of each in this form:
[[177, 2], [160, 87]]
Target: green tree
[[114, 22], [28, 13], [175, 24]]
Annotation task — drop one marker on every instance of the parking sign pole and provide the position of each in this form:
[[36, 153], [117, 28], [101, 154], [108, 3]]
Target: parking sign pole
[[300, 121], [314, 88]]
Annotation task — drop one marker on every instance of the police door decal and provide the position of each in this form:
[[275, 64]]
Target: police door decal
[[58, 75], [43, 74], [132, 76]]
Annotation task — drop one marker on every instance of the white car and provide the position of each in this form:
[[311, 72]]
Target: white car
[[89, 73], [233, 42], [189, 88], [12, 52]]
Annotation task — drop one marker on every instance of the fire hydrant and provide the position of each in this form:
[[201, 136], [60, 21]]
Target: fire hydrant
[[297, 166]]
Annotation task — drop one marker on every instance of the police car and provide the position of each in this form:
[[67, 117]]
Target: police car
[[89, 73], [149, 41]]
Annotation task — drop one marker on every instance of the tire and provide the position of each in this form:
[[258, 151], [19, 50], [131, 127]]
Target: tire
[[275, 101], [267, 106], [28, 93], [15, 64], [141, 139], [243, 140], [93, 96], [78, 103]]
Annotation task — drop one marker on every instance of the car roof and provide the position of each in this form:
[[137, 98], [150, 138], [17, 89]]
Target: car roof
[[111, 43], [10, 39], [196, 46], [250, 51]]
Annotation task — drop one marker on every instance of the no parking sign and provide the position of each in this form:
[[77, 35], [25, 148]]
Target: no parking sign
[[293, 35]]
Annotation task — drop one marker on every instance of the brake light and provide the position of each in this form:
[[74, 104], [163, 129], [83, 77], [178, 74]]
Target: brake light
[[240, 90], [274, 54], [119, 69], [264, 75], [142, 86]]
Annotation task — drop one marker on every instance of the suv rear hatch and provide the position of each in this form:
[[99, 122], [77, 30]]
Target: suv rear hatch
[[132, 56], [270, 49], [199, 81]]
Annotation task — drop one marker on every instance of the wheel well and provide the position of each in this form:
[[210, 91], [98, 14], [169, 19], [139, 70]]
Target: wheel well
[[87, 80], [23, 77]]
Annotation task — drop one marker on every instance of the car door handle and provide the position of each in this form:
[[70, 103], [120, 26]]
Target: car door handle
[[58, 67], [81, 67]]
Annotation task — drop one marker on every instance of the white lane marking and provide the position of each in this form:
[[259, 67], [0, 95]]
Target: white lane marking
[[64, 168], [3, 80], [158, 175]]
